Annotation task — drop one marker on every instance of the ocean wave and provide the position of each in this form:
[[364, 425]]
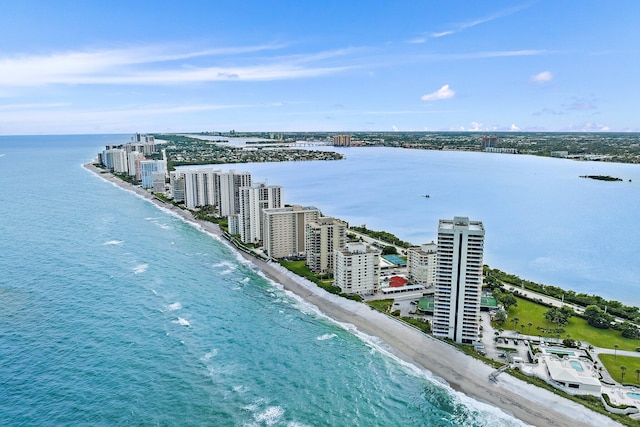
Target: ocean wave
[[269, 416], [141, 268], [174, 306], [113, 242], [326, 337], [182, 322], [209, 355]]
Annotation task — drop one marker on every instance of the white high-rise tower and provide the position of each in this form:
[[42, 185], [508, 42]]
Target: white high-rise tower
[[458, 279]]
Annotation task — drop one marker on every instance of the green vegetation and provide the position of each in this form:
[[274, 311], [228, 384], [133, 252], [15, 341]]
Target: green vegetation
[[578, 328], [383, 305], [601, 177], [422, 324], [495, 277], [389, 250], [613, 364], [381, 235], [299, 268]]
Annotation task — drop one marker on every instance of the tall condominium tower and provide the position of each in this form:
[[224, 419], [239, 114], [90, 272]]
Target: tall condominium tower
[[253, 200], [458, 279], [284, 228], [228, 186], [322, 238]]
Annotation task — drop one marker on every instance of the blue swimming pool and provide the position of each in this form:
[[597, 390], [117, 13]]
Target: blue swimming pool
[[576, 365], [634, 395]]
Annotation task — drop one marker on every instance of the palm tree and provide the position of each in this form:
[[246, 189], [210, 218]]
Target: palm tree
[[515, 321], [615, 351], [529, 325], [623, 369], [522, 327], [637, 375]]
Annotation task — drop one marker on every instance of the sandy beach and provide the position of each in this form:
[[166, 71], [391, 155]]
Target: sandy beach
[[530, 404]]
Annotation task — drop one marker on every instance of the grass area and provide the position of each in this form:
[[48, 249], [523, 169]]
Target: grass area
[[528, 311], [612, 364], [299, 268], [382, 305]]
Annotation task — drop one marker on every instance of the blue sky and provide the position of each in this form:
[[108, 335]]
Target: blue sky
[[169, 66]]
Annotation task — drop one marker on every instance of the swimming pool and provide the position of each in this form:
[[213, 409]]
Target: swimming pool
[[559, 352], [634, 395], [578, 366]]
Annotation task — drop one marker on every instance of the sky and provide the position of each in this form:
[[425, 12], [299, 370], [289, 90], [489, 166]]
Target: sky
[[86, 67]]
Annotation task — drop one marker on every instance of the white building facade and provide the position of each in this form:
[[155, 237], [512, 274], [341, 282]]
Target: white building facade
[[357, 269], [199, 186], [421, 264], [458, 279], [228, 186], [253, 200]]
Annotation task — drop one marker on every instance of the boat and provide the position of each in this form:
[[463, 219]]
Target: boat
[[425, 196]]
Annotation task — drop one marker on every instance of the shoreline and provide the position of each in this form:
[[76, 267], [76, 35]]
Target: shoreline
[[463, 373]]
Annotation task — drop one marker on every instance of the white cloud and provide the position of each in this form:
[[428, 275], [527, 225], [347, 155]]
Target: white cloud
[[154, 65], [443, 93], [543, 77], [514, 127], [395, 128], [475, 126]]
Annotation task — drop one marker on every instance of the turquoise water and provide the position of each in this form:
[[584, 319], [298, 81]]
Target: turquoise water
[[115, 312], [576, 365], [634, 395]]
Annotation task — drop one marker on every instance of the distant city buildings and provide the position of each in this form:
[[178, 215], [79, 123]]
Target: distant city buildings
[[357, 269], [458, 279], [342, 140], [421, 264], [489, 141], [323, 237], [284, 230]]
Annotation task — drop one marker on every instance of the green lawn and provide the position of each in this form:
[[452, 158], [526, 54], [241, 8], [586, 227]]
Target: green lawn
[[578, 328], [382, 304], [612, 364]]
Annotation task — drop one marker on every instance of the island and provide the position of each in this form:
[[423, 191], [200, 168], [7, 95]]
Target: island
[[601, 177]]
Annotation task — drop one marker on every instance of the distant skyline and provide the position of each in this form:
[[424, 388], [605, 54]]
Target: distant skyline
[[121, 67]]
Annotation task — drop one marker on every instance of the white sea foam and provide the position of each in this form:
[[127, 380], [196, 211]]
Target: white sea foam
[[114, 242], [245, 280], [209, 355], [326, 337], [140, 268], [174, 306], [229, 267], [269, 416], [182, 322]]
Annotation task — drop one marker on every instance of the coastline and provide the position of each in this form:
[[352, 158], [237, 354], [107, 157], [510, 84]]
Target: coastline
[[463, 373]]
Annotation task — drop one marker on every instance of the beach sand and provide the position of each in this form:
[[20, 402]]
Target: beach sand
[[526, 402]]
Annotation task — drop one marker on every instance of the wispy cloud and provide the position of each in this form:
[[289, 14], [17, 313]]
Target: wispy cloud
[[542, 77], [456, 28], [153, 65], [443, 93]]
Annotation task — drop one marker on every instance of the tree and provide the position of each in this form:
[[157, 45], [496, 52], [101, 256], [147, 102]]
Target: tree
[[529, 325], [500, 317], [597, 318], [623, 370], [559, 316], [515, 321], [615, 351], [389, 250], [507, 300], [522, 327], [629, 330], [637, 375]]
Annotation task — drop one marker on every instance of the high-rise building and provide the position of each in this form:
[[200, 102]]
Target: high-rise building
[[322, 238], [228, 186], [253, 200], [342, 140], [458, 279], [176, 179], [357, 269], [147, 170], [284, 229], [421, 264], [199, 186]]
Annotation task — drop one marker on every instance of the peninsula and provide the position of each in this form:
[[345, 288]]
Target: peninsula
[[463, 373]]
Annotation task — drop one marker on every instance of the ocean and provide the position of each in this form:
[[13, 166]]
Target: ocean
[[115, 312]]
